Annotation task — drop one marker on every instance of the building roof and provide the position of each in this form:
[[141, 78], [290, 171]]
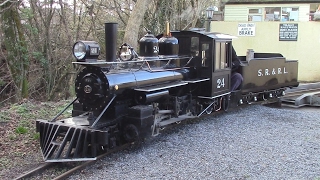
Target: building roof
[[268, 1]]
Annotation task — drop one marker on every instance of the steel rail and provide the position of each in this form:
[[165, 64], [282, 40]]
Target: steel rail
[[34, 171], [45, 166], [77, 168]]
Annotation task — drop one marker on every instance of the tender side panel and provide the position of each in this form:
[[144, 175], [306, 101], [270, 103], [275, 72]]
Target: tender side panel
[[271, 73]]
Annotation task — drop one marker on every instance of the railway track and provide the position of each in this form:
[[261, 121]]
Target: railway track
[[67, 168], [303, 95]]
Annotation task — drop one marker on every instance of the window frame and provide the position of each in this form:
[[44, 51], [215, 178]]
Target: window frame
[[282, 17], [259, 13], [222, 58]]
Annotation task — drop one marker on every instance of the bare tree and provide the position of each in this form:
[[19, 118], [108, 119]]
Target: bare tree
[[182, 14], [37, 36], [134, 22]]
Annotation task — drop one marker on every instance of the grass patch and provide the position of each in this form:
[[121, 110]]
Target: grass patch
[[4, 116], [21, 130], [25, 123], [20, 109], [25, 110], [36, 136], [13, 137], [50, 110], [67, 112]]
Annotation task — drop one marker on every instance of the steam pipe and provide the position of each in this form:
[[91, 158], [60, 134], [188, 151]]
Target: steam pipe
[[167, 33]]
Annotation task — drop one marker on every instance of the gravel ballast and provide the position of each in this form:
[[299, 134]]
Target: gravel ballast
[[252, 142]]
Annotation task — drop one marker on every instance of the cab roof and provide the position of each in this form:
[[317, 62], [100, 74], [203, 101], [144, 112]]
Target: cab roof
[[202, 32]]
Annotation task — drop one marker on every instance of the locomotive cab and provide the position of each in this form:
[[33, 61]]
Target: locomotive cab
[[211, 54]]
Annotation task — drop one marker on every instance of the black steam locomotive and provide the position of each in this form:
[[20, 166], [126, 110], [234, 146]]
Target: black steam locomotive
[[176, 76]]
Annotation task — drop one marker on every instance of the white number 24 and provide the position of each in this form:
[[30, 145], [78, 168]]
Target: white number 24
[[220, 83]]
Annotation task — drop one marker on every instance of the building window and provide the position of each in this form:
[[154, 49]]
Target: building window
[[274, 14], [255, 14], [314, 12], [290, 14]]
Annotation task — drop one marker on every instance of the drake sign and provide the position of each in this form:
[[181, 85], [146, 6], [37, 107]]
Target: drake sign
[[246, 29]]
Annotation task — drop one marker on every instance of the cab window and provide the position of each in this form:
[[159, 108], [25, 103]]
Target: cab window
[[221, 56], [194, 46], [205, 54]]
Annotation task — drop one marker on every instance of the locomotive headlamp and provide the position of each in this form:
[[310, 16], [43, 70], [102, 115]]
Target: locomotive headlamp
[[86, 50]]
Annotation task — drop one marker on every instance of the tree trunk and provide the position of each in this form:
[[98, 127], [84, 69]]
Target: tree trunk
[[14, 41], [134, 22]]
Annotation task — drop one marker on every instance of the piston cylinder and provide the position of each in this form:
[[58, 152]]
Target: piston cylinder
[[144, 97]]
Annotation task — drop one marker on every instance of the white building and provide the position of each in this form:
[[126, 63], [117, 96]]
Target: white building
[[270, 10]]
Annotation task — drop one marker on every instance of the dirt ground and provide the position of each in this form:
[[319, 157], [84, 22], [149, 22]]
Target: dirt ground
[[19, 145]]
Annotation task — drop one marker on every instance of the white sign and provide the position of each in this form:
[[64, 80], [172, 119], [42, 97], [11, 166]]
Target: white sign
[[246, 29]]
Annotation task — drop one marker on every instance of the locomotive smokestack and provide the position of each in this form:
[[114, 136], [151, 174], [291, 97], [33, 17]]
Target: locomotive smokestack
[[111, 32]]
